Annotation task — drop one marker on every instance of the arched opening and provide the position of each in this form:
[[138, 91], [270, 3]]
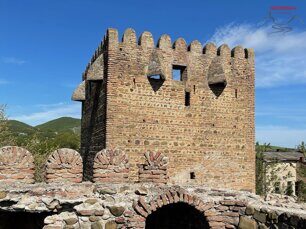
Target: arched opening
[[176, 216], [25, 220]]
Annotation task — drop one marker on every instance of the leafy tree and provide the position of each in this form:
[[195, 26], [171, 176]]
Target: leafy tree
[[6, 137], [40, 149], [68, 140], [260, 168]]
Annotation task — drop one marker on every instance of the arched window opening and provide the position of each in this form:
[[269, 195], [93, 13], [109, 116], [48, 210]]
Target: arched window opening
[[176, 216]]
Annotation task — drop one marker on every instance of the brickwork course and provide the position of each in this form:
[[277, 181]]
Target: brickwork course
[[202, 120]]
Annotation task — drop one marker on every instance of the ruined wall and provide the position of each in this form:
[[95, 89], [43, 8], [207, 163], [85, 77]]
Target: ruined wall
[[213, 138], [280, 175], [63, 201], [112, 206]]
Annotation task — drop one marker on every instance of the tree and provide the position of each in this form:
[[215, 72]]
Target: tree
[[260, 169], [6, 137], [302, 148], [40, 148]]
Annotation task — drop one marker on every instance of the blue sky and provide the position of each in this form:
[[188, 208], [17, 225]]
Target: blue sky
[[45, 46]]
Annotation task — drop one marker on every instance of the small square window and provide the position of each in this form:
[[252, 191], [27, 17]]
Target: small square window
[[179, 73]]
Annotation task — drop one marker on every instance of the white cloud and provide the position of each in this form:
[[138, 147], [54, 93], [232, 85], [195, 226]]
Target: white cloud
[[280, 58], [13, 60], [280, 135], [49, 112], [3, 81]]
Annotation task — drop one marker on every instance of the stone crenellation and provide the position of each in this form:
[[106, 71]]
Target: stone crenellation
[[64, 165], [16, 164], [111, 166], [164, 42], [193, 104], [155, 168]]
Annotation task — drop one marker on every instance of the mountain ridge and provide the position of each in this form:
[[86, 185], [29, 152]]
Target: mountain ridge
[[59, 125]]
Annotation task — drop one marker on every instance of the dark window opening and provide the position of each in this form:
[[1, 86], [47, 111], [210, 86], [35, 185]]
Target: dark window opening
[[179, 73], [277, 187], [187, 98], [236, 93], [194, 89], [155, 77], [177, 216], [25, 220], [217, 88], [192, 175], [156, 81]]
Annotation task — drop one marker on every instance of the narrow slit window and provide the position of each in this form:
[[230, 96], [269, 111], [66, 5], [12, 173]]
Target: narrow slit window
[[179, 72], [236, 93], [192, 175], [187, 98]]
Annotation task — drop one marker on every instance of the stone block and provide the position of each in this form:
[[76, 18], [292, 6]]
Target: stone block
[[111, 225], [247, 223]]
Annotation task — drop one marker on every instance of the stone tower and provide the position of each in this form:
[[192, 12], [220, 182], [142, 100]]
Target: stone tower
[[192, 105]]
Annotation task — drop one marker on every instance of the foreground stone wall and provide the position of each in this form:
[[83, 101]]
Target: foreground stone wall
[[126, 109], [109, 206]]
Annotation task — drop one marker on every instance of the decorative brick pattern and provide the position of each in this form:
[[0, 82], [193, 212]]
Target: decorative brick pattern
[[154, 169], [127, 108], [16, 165], [111, 166], [64, 165]]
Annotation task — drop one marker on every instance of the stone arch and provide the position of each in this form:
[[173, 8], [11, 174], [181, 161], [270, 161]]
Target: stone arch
[[16, 164], [179, 216], [172, 200], [64, 165], [111, 165], [154, 169]]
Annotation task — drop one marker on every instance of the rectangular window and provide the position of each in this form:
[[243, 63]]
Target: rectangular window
[[187, 98], [236, 93], [179, 72]]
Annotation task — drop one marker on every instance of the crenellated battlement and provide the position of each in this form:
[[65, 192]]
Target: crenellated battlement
[[145, 43]]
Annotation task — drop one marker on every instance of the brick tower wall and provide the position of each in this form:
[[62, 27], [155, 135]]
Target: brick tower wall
[[209, 142]]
